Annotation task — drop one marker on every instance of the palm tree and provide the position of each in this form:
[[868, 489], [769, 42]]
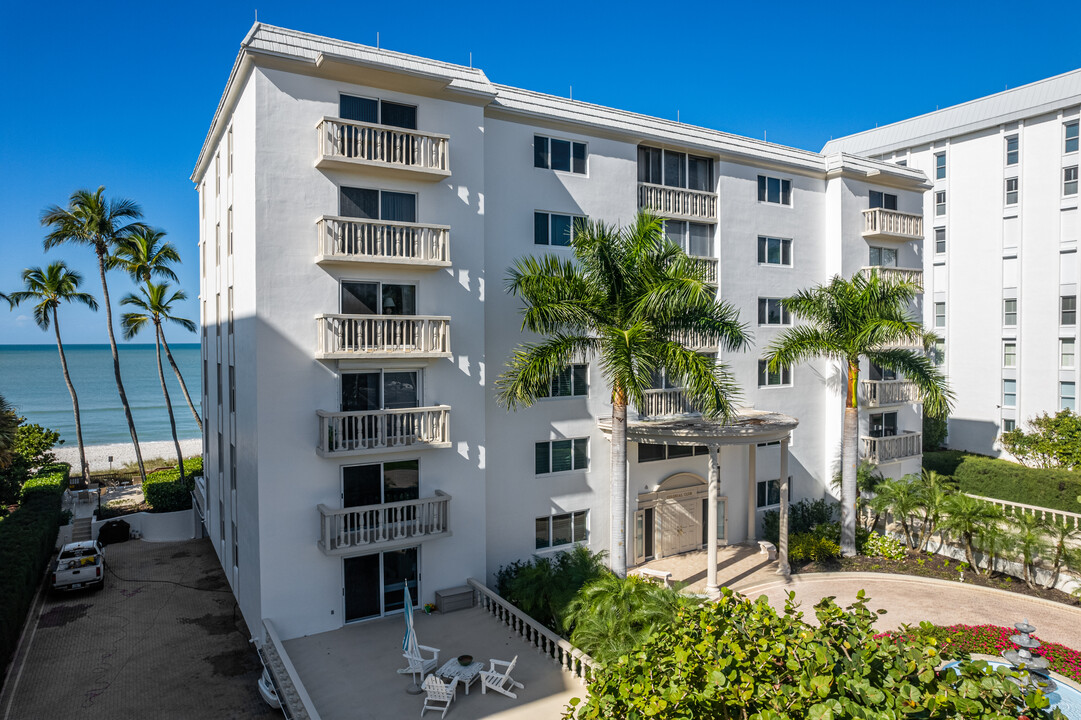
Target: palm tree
[[155, 305], [967, 516], [932, 504], [9, 425], [900, 498], [50, 287], [1030, 536], [847, 321], [625, 299], [994, 541], [91, 219], [1061, 534], [5, 298], [145, 255]]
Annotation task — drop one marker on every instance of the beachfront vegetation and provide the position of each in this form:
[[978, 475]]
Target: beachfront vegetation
[[845, 322], [32, 449], [9, 423], [628, 298], [169, 490], [1054, 488], [544, 586]]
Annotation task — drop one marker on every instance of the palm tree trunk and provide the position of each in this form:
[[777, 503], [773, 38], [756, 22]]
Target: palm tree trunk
[[970, 555], [116, 364], [618, 520], [84, 469], [849, 457], [183, 386], [168, 402]]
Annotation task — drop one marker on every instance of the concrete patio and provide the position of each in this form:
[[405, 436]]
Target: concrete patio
[[738, 566], [352, 672]]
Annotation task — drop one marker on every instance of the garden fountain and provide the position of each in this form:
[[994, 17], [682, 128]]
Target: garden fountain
[[1023, 661]]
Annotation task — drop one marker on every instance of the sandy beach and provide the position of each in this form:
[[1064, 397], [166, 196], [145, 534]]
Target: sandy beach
[[97, 456]]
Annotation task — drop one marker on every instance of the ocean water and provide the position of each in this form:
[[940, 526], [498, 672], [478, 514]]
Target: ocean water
[[32, 381]]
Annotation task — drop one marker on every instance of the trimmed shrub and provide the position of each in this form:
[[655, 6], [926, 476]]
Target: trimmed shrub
[[811, 547], [1001, 479], [166, 491], [803, 517], [543, 587]]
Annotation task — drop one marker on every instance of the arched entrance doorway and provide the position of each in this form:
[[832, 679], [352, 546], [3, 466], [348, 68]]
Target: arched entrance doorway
[[672, 519]]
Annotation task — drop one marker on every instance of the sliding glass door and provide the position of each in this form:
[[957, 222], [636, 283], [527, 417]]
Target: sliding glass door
[[375, 584]]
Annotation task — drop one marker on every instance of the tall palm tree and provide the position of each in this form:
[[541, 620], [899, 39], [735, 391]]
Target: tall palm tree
[[1030, 536], [155, 307], [1060, 535], [626, 298], [994, 541], [92, 219], [50, 287], [932, 505], [900, 498], [966, 517], [847, 321], [145, 255]]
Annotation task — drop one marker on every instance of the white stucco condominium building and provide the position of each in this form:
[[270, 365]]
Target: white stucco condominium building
[[359, 210], [1001, 249]]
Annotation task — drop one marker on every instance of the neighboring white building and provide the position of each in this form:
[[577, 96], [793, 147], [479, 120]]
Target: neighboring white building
[[1001, 237], [359, 210]]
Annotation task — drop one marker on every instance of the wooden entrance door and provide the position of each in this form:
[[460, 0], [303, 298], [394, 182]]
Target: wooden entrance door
[[681, 525]]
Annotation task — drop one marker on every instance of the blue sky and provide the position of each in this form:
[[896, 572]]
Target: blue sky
[[121, 94]]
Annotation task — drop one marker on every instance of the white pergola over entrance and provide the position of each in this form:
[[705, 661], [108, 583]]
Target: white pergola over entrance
[[749, 427]]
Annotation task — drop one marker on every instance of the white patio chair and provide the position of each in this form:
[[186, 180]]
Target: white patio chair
[[418, 664], [438, 692], [501, 682]]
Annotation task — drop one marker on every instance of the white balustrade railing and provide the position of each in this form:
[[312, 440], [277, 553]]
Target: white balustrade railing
[[677, 202], [665, 403], [880, 450], [357, 431], [878, 393], [343, 238], [383, 145], [360, 335], [885, 272], [569, 658], [709, 266], [694, 340], [345, 529], [880, 221], [1049, 515]]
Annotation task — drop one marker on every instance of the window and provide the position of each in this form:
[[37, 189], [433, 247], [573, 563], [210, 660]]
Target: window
[[649, 452], [1008, 424], [695, 239], [377, 112], [882, 425], [229, 232], [554, 154], [767, 378], [375, 298], [940, 203], [1070, 145], [1067, 396], [1009, 312], [372, 204], [1009, 354], [774, 251], [674, 169], [221, 457], [902, 163], [562, 529], [883, 200], [570, 381], [940, 240], [221, 522], [1009, 393], [940, 314], [774, 190], [940, 166], [882, 257], [1011, 191], [553, 228], [769, 493], [378, 390], [877, 372], [938, 353], [557, 456], [236, 559], [229, 144], [772, 312], [1013, 151], [1066, 351], [217, 245], [1068, 310], [217, 175], [1069, 180]]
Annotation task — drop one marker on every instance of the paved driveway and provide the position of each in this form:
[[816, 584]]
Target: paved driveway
[[140, 647]]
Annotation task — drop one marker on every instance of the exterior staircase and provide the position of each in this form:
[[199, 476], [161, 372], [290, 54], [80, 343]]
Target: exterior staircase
[[80, 529]]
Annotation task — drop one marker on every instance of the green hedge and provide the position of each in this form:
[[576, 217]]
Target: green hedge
[[166, 491], [27, 540], [1004, 480]]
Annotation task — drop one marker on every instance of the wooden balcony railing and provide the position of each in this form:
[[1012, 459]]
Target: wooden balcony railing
[[880, 450], [359, 432], [345, 531], [678, 203], [885, 272], [879, 393], [883, 224], [351, 143], [382, 336], [343, 239], [665, 403]]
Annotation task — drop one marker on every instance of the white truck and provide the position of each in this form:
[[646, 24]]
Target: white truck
[[80, 565]]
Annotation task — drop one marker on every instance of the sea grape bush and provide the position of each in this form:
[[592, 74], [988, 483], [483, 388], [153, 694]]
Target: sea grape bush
[[884, 546], [166, 491]]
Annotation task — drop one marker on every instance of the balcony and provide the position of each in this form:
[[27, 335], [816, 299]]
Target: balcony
[[879, 450], [370, 528], [345, 337], [883, 224], [375, 431], [896, 274], [356, 240], [669, 402], [678, 203], [880, 393], [395, 151]]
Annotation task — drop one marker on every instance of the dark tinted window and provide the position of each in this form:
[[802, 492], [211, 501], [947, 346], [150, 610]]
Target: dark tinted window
[[399, 207], [700, 173], [540, 151], [359, 203], [578, 158], [540, 228], [675, 169], [561, 154], [358, 108], [403, 116], [649, 165]]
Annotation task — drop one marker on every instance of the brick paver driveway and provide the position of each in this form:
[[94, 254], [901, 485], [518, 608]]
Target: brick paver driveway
[[141, 647]]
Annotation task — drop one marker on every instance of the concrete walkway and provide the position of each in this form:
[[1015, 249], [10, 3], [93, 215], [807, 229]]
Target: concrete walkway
[[737, 566]]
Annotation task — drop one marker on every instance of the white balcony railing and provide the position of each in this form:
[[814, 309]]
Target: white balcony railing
[[709, 266], [883, 224], [879, 393], [382, 241], [382, 336], [680, 203], [885, 272], [665, 403], [354, 529], [349, 142], [358, 432], [880, 450]]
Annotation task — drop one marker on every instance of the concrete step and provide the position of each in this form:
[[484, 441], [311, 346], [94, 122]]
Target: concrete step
[[80, 529]]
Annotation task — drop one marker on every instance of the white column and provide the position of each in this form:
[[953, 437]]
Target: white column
[[782, 550], [752, 490], [711, 518]]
